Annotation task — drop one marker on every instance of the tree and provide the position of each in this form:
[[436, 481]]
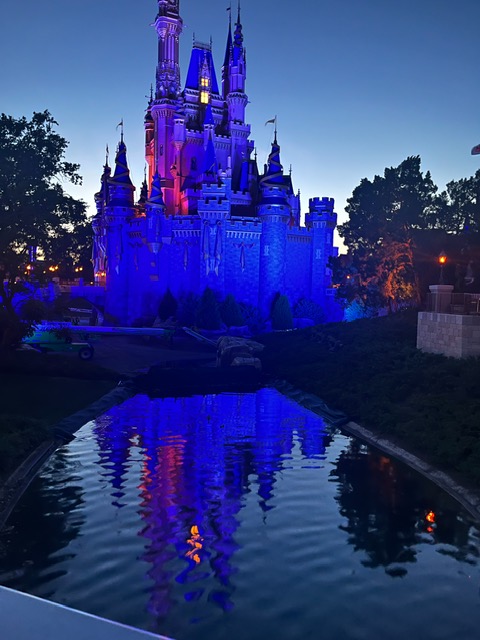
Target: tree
[[231, 312], [168, 306], [282, 313], [208, 313], [36, 214], [460, 206], [383, 217]]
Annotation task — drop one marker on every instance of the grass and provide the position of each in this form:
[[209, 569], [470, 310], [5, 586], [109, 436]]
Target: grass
[[38, 390], [372, 370]]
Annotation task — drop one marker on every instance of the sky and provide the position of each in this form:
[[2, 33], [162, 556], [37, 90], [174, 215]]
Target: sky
[[356, 86]]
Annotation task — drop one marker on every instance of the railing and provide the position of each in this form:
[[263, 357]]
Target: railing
[[459, 304]]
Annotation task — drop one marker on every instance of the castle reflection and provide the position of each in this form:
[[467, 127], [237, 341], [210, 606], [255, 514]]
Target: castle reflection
[[200, 456]]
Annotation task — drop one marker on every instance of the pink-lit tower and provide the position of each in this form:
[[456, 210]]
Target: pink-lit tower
[[160, 118]]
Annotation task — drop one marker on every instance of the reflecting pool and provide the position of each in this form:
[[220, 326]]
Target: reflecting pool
[[243, 516]]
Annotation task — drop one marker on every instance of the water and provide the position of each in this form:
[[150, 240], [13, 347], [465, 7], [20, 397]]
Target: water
[[243, 517]]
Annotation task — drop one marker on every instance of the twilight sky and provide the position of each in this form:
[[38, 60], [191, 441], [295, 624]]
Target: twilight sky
[[357, 85]]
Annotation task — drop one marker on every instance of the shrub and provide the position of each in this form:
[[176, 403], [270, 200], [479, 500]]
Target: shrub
[[230, 312], [208, 312], [252, 317], [187, 309], [282, 313], [168, 306], [306, 308]]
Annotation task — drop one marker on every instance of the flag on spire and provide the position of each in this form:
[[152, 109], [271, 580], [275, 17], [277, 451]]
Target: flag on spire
[[476, 150]]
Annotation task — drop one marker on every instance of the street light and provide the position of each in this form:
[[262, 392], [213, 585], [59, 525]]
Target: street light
[[442, 259]]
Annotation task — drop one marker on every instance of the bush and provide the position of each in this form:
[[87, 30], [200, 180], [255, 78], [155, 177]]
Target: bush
[[187, 309], [230, 312], [282, 313], [252, 318], [168, 306], [306, 308], [208, 312]]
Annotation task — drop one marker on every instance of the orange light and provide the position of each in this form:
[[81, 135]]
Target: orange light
[[442, 258], [430, 517]]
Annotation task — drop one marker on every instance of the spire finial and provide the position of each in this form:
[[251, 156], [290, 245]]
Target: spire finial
[[120, 124], [238, 13], [106, 155], [275, 139]]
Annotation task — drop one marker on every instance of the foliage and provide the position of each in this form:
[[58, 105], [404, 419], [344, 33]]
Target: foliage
[[208, 312], [460, 206], [428, 403], [168, 306], [187, 309], [252, 317], [383, 216], [307, 308], [230, 312], [282, 313], [35, 211]]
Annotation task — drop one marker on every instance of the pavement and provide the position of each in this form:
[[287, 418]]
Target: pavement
[[131, 354]]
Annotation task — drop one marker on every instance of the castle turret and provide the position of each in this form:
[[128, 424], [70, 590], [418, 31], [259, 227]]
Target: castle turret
[[155, 210], [322, 221], [99, 251], [119, 210], [149, 125], [234, 77], [274, 212]]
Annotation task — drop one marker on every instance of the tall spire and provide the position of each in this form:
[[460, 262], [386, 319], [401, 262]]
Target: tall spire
[[169, 26], [228, 56]]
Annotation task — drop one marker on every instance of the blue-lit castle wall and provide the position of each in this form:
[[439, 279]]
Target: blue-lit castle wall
[[206, 216]]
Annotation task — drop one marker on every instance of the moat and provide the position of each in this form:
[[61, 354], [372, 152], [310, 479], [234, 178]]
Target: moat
[[243, 516]]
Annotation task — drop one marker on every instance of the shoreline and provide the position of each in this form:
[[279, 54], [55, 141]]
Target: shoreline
[[17, 482]]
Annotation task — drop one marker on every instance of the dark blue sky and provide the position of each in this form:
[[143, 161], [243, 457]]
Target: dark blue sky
[[356, 85]]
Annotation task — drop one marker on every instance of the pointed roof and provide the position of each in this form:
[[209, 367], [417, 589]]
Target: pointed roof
[[210, 167], [200, 55], [274, 170], [228, 48], [208, 119], [237, 39], [122, 172], [103, 193], [156, 195], [143, 193]]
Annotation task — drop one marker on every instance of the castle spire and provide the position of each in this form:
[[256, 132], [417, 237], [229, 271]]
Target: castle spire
[[169, 26], [274, 169], [120, 185], [210, 165]]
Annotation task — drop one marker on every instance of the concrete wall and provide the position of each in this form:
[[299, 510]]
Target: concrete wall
[[457, 336]]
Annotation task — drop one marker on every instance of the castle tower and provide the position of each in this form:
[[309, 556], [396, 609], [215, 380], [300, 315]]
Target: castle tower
[[322, 221], [149, 125], [118, 212], [99, 252], [234, 74], [168, 25], [274, 212]]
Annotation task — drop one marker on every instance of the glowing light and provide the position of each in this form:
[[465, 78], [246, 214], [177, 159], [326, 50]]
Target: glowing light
[[196, 542], [204, 97], [430, 517], [442, 258]]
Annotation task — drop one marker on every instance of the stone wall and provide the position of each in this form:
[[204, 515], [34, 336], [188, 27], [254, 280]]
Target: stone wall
[[452, 335]]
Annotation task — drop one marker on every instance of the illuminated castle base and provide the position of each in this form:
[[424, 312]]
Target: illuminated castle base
[[206, 216]]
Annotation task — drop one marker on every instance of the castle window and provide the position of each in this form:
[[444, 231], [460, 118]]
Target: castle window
[[204, 82], [204, 97]]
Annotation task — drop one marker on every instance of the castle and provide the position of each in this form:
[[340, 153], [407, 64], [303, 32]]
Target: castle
[[206, 216]]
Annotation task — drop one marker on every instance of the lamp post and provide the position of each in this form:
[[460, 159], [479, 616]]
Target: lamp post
[[442, 259]]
